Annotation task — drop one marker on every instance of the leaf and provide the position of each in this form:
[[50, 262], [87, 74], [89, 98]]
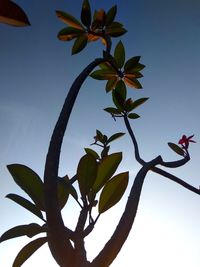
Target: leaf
[[29, 230], [26, 204], [29, 181], [12, 14], [86, 173], [99, 136], [99, 19], [69, 33], [103, 74], [121, 89], [131, 63], [79, 44], [86, 13], [119, 54], [63, 192], [113, 191], [28, 250], [111, 110], [138, 102], [116, 32], [69, 187], [114, 137], [177, 149], [106, 169], [92, 152], [69, 19], [133, 116], [131, 82], [110, 16], [111, 83], [118, 100]]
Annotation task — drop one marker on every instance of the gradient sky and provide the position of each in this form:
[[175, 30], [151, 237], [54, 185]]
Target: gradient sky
[[36, 70]]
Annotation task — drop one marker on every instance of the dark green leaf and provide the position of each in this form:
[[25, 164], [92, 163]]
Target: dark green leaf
[[29, 181], [121, 89], [116, 32], [119, 54], [99, 136], [113, 111], [29, 230], [69, 33], [118, 100], [133, 116], [177, 149], [28, 250], [106, 169], [113, 191], [92, 153], [86, 13], [103, 74], [115, 25], [69, 19], [138, 102], [111, 83], [111, 15], [79, 44], [26, 204], [99, 19], [86, 173], [115, 136], [63, 192], [69, 187], [131, 63], [105, 151]]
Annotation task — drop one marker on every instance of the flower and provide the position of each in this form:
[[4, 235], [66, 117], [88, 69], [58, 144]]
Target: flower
[[184, 141]]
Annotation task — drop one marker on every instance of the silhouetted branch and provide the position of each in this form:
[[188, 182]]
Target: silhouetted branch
[[59, 244], [113, 246], [176, 179]]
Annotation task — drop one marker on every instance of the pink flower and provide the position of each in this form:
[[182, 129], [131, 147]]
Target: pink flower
[[184, 141]]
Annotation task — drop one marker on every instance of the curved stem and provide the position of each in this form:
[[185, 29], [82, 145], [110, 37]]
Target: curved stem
[[113, 246], [130, 131], [59, 244]]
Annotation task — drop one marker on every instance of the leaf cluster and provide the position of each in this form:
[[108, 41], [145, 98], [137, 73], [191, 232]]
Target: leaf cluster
[[90, 27]]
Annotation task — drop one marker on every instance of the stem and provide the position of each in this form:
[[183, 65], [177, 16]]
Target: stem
[[137, 153], [59, 244], [113, 246]]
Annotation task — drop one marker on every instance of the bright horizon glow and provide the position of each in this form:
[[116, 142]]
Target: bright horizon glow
[[36, 72]]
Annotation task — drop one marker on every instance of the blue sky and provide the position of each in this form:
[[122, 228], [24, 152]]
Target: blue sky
[[36, 72]]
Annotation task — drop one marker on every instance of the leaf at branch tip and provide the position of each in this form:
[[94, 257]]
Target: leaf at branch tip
[[131, 63], [29, 230], [92, 153], [106, 169], [67, 34], [29, 181], [28, 250], [114, 137], [12, 14], [112, 110], [69, 19], [86, 13], [79, 44], [86, 173], [138, 102], [26, 204], [177, 149], [132, 82], [119, 54], [111, 15], [133, 116], [113, 191], [116, 32]]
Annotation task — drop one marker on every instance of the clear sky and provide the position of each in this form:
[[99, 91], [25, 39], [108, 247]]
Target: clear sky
[[36, 70]]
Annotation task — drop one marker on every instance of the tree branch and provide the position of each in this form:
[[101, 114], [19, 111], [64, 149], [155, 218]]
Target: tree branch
[[176, 180], [60, 246], [113, 246]]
